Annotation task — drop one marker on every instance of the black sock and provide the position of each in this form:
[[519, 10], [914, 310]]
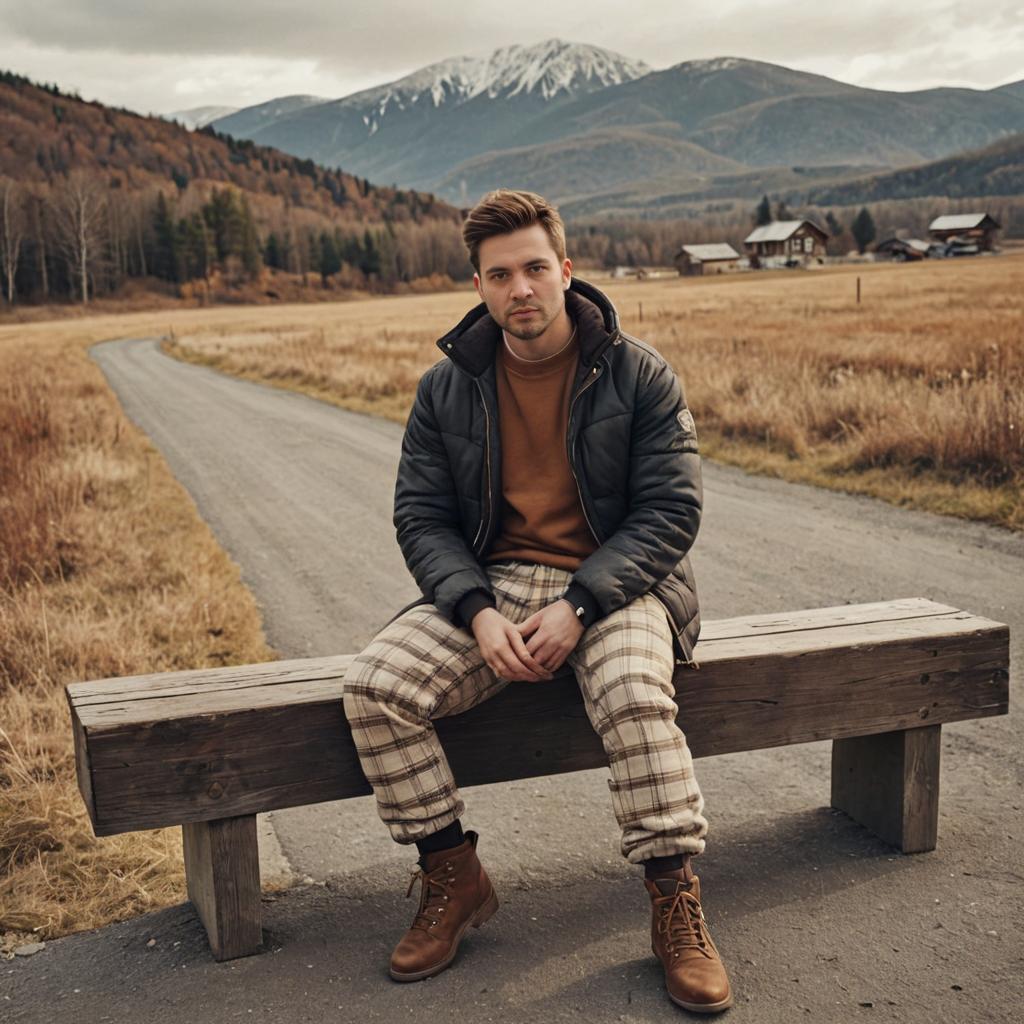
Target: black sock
[[451, 835], [658, 867]]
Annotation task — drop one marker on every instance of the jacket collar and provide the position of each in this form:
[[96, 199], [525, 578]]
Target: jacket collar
[[472, 343]]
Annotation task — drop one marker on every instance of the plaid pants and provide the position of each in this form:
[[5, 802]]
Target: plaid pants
[[422, 667]]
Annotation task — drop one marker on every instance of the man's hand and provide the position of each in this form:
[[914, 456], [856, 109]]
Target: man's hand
[[504, 649], [556, 631]]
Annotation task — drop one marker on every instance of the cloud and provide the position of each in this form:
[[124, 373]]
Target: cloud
[[155, 56]]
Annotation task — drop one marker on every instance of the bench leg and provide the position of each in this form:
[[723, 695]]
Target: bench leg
[[222, 869], [890, 784]]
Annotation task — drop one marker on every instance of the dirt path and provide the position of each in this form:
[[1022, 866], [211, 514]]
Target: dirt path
[[815, 917]]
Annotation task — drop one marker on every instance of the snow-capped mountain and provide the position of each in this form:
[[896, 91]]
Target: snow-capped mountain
[[546, 71], [414, 128]]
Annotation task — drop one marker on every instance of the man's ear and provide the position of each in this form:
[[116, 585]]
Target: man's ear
[[476, 284]]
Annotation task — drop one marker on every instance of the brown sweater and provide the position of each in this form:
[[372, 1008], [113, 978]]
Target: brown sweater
[[542, 520]]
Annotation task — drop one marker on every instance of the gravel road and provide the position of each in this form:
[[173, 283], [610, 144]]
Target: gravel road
[[816, 919]]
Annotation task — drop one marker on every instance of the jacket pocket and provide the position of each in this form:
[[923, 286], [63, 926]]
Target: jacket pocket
[[684, 615]]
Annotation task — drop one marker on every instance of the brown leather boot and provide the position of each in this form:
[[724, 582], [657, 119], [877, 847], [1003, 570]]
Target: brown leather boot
[[694, 974], [455, 893]]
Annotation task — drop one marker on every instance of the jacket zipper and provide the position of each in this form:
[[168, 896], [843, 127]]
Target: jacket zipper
[[484, 519], [569, 453]]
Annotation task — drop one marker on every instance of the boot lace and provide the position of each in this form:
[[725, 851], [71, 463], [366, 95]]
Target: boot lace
[[683, 924], [435, 893]]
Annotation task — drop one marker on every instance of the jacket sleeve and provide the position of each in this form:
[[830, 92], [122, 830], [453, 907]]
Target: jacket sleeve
[[665, 497], [427, 516]]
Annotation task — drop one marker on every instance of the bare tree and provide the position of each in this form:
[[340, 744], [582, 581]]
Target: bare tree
[[13, 225], [78, 205]]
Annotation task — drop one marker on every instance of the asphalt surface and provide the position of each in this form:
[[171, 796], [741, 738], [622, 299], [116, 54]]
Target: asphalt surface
[[816, 919]]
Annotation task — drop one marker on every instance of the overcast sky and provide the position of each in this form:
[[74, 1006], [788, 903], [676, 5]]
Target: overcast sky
[[162, 57]]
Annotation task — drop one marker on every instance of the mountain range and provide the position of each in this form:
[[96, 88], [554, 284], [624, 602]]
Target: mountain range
[[599, 132]]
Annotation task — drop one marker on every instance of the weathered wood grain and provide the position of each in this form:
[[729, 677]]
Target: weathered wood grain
[[272, 673], [257, 738], [222, 871], [83, 769], [890, 784]]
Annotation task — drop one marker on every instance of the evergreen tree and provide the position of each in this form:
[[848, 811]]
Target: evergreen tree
[[352, 251], [249, 241], [763, 213], [387, 256], [863, 229], [166, 262], [311, 246], [783, 212], [370, 258], [330, 258], [272, 252], [198, 246], [223, 214]]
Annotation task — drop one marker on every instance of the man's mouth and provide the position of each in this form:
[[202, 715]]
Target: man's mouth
[[523, 312]]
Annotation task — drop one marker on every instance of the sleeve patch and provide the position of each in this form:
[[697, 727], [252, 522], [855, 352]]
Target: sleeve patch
[[685, 418]]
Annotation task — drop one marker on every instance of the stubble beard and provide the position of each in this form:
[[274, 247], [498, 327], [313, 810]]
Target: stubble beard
[[523, 332]]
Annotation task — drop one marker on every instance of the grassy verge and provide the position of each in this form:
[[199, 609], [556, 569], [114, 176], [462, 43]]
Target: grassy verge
[[106, 569]]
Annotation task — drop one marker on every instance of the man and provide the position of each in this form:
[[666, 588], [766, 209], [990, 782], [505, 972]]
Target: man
[[547, 496]]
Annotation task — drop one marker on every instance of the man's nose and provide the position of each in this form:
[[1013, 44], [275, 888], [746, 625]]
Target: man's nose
[[521, 288]]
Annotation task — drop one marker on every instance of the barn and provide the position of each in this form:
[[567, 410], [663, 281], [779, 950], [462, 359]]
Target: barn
[[786, 243], [903, 249], [693, 260], [963, 232]]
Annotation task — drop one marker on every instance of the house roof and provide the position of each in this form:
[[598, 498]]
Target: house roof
[[957, 222], [909, 243], [777, 231], [708, 253]]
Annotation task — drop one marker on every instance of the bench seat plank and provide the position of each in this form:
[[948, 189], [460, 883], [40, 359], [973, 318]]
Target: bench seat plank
[[100, 692], [195, 746]]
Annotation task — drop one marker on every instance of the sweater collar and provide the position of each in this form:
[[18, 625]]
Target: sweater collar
[[473, 342]]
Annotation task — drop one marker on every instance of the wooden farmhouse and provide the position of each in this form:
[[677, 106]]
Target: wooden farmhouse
[[904, 249], [786, 243], [693, 260], [964, 233]]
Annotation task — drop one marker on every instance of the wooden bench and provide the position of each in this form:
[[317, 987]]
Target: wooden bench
[[209, 749]]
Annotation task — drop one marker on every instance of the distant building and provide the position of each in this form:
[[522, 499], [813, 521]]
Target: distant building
[[706, 259], [903, 248], [965, 233], [786, 243], [640, 273]]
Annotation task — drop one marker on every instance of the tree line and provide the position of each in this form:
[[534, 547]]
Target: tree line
[[78, 238]]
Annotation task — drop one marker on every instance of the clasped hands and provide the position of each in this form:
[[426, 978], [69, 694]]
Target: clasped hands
[[529, 651]]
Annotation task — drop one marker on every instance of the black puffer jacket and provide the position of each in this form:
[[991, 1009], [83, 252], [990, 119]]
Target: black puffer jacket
[[632, 448]]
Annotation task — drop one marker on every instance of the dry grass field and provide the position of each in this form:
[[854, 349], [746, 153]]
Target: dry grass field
[[105, 569], [914, 395]]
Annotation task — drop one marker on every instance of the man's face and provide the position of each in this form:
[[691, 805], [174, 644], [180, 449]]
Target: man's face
[[522, 281]]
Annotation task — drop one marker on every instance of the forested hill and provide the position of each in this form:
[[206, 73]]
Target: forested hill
[[45, 133], [92, 196], [994, 170]]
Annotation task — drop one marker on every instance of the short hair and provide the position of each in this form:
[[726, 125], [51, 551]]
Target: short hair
[[506, 210]]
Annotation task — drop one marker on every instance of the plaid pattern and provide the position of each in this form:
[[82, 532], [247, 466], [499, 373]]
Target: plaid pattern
[[421, 667]]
